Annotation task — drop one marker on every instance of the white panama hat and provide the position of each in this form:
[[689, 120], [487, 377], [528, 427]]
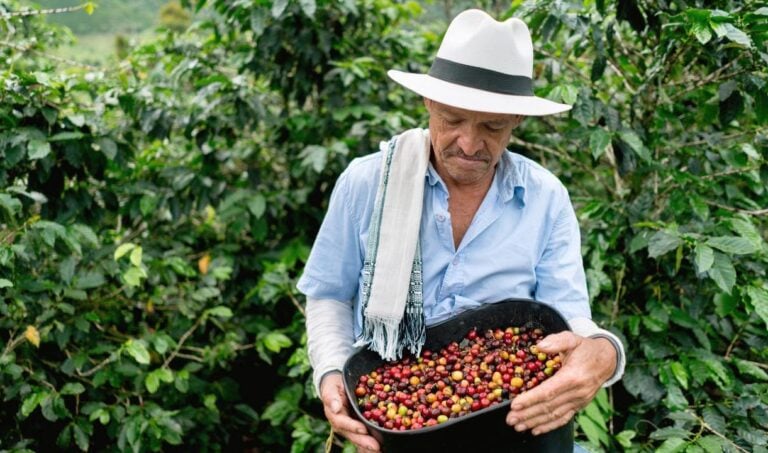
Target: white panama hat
[[482, 65]]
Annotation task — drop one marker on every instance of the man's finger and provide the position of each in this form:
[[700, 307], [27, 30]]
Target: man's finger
[[335, 405], [560, 412], [553, 424], [342, 422], [546, 391], [559, 342], [367, 443], [529, 417]]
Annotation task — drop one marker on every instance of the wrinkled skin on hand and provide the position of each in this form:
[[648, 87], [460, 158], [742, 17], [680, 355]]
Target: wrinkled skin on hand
[[337, 412], [587, 364]]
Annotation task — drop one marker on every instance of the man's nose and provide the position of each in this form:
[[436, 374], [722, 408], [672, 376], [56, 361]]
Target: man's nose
[[470, 141]]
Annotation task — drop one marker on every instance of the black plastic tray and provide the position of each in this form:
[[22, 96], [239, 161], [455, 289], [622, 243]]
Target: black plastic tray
[[486, 428]]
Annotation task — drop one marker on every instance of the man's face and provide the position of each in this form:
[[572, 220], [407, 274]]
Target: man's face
[[467, 145]]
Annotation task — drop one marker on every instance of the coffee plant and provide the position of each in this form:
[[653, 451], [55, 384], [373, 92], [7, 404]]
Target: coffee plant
[[155, 214]]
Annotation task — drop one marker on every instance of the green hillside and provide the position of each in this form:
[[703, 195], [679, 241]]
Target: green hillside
[[110, 16]]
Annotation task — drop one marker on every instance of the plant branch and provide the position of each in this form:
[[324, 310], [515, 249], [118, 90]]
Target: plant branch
[[37, 12], [703, 142], [182, 340], [632, 90], [29, 49], [718, 434], [111, 358], [297, 304], [567, 64], [12, 344], [754, 212]]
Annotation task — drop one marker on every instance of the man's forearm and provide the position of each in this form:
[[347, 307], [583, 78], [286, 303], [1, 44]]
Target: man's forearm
[[330, 336]]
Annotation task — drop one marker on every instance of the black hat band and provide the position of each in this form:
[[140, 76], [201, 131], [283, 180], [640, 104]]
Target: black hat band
[[480, 78]]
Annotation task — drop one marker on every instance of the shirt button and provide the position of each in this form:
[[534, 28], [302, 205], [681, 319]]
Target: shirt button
[[456, 261], [440, 218]]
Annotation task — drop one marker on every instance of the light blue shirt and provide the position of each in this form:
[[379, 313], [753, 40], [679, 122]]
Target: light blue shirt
[[523, 242]]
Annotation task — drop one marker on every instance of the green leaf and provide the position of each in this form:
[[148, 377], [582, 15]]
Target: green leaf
[[152, 382], [136, 256], [134, 275], [314, 156], [699, 21], [81, 437], [123, 249], [275, 341], [704, 257], [750, 369], [699, 207], [641, 384], [32, 401], [633, 140], [278, 411], [11, 205], [593, 411], [746, 229], [161, 343], [719, 374], [732, 244], [625, 438], [108, 147], [701, 31], [63, 136], [209, 401], [672, 446], [597, 434], [72, 388], [680, 373], [723, 272], [88, 280], [599, 140], [138, 350], [714, 419], [670, 432], [309, 7], [278, 7], [4, 283], [662, 242], [711, 444], [221, 312], [759, 299], [165, 375], [675, 399], [257, 205], [38, 149], [736, 35]]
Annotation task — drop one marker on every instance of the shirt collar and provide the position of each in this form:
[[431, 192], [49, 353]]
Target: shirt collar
[[512, 182]]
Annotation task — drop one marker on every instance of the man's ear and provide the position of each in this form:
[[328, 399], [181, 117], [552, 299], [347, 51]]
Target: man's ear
[[518, 119], [427, 102]]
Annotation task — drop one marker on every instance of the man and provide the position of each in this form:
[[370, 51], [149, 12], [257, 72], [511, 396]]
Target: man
[[489, 225]]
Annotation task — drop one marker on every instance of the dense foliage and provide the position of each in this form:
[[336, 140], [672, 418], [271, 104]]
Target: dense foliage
[[155, 215]]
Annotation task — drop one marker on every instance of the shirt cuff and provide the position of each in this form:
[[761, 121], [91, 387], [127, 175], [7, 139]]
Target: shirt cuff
[[330, 336], [587, 328]]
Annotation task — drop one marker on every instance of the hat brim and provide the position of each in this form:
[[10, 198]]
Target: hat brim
[[474, 99]]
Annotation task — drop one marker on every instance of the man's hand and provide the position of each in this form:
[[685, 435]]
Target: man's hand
[[587, 364], [337, 412]]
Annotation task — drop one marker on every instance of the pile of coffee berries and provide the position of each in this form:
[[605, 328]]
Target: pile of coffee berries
[[481, 371]]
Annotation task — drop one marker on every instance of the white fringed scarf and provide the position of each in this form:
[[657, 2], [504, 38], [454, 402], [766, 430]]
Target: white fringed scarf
[[393, 314]]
